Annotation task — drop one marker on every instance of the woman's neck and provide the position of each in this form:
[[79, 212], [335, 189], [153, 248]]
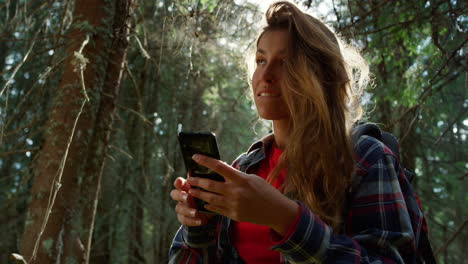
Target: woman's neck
[[281, 132]]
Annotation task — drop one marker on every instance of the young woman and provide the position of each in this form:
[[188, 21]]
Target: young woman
[[305, 193]]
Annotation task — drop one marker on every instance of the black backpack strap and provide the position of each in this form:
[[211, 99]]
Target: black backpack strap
[[368, 129], [391, 142]]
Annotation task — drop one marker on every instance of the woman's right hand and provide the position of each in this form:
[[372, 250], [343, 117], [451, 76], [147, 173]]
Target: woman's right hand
[[185, 209]]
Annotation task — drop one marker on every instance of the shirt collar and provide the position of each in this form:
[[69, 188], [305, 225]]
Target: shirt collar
[[265, 143]]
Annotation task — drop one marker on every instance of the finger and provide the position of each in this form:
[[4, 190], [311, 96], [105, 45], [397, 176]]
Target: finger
[[211, 198], [218, 166], [181, 184], [179, 196], [189, 221], [208, 184], [185, 210], [188, 216]]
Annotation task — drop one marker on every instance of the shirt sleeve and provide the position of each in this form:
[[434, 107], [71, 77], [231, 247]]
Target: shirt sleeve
[[382, 224], [195, 244]]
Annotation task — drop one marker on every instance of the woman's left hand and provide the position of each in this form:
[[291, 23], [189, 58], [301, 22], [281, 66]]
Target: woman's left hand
[[243, 197]]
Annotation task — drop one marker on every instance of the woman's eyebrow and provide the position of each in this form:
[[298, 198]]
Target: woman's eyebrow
[[261, 51], [283, 51]]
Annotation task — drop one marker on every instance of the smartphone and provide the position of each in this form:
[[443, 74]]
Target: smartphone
[[199, 143]]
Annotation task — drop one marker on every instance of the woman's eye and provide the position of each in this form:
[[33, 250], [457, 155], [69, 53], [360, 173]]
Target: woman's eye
[[260, 61]]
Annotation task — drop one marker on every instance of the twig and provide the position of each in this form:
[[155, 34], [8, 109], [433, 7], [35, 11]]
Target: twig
[[445, 245], [450, 126], [122, 151], [14, 39], [135, 86], [146, 120], [82, 61], [162, 42], [18, 66], [18, 257], [6, 153], [338, 17], [422, 96], [56, 183], [142, 49], [4, 119], [461, 178], [408, 130], [42, 77]]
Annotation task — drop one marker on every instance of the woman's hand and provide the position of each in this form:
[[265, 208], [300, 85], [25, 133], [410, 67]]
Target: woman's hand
[[243, 197], [185, 208]]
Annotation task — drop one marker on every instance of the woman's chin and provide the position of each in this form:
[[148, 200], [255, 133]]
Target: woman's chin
[[273, 116]]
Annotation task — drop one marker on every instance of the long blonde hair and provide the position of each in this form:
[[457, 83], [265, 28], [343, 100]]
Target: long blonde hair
[[323, 81]]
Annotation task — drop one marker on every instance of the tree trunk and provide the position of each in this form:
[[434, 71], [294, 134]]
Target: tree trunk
[[58, 176], [105, 119]]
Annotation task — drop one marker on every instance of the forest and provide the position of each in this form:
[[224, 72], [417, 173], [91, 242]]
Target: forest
[[94, 92]]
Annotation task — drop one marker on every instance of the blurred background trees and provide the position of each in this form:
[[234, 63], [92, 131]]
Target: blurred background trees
[[151, 69], [417, 52]]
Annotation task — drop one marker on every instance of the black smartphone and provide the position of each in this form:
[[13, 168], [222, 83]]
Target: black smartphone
[[199, 143]]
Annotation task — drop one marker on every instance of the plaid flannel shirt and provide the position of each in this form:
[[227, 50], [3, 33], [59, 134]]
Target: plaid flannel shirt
[[382, 221]]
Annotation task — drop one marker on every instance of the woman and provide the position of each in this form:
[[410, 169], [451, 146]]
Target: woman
[[302, 194]]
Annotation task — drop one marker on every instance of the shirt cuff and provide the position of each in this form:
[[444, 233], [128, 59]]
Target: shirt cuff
[[277, 238], [201, 236], [307, 239]]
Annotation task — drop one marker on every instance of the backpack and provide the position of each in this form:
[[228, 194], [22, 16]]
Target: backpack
[[369, 129]]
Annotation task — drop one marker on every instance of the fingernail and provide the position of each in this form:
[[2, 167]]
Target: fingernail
[[192, 213], [196, 157], [184, 197], [198, 222]]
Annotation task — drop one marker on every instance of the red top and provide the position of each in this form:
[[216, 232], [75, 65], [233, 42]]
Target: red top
[[253, 241]]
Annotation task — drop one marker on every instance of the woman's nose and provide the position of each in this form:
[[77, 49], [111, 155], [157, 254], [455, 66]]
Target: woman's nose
[[268, 74]]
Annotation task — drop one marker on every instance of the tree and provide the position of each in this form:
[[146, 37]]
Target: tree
[[78, 126]]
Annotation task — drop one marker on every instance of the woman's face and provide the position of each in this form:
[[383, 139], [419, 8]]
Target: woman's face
[[269, 74]]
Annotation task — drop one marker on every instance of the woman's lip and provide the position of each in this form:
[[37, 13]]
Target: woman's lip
[[268, 94]]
